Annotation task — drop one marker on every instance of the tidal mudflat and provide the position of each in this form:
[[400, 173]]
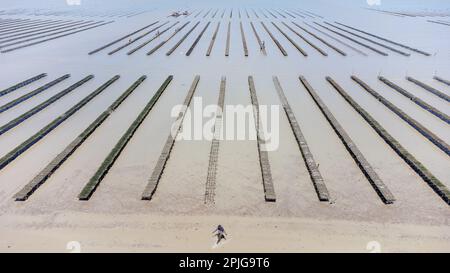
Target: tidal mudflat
[[92, 147]]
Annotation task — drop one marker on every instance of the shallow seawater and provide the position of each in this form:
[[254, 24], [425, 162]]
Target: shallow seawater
[[239, 187]]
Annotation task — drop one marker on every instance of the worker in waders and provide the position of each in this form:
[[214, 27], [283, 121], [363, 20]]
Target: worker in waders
[[220, 233]]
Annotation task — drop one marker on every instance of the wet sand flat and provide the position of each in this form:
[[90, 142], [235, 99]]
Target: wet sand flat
[[177, 218]]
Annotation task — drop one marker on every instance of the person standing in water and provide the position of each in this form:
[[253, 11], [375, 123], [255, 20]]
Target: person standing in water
[[220, 233]]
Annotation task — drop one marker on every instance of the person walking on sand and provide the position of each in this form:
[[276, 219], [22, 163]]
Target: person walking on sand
[[220, 233]]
